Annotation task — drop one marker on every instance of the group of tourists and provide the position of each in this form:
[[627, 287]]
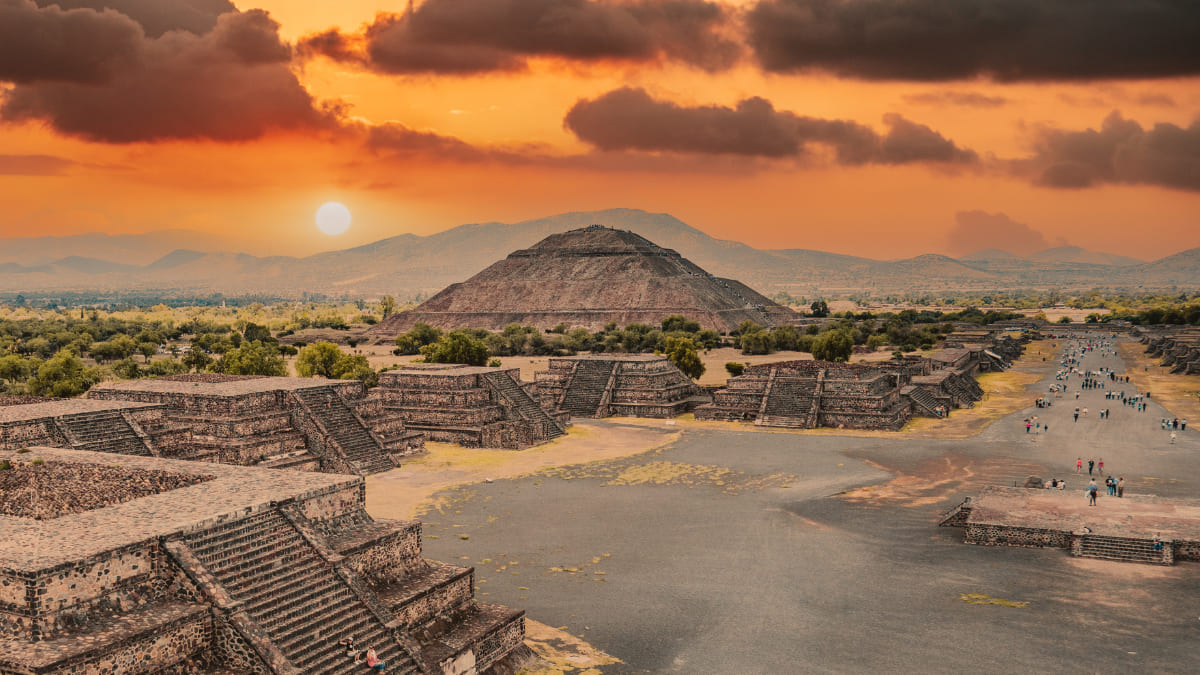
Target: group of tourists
[[367, 656]]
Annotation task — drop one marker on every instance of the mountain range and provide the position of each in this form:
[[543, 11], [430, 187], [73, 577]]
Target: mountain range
[[187, 263]]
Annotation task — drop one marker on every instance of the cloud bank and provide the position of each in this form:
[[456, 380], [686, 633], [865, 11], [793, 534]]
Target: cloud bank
[[630, 119], [464, 37], [1006, 40]]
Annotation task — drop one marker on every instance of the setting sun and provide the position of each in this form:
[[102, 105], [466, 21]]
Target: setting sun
[[333, 218]]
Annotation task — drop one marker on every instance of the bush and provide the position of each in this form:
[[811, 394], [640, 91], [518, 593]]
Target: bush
[[494, 363], [834, 345], [5, 465], [734, 368], [38, 461], [457, 347], [22, 451]]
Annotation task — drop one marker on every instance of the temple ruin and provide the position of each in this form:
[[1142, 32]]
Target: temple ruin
[[622, 385], [275, 422], [877, 395], [1123, 530], [1177, 347], [588, 278], [472, 406], [185, 567], [809, 394]]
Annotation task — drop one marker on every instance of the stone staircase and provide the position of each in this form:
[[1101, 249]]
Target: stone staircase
[[520, 402], [961, 392], [364, 453], [1122, 549], [294, 594], [957, 516], [106, 431], [586, 389], [789, 404], [922, 399]]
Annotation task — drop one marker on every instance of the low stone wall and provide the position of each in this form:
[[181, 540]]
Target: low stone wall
[[1004, 535], [425, 607], [388, 558], [1187, 549], [333, 504]]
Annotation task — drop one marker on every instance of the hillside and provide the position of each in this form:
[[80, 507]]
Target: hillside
[[407, 265]]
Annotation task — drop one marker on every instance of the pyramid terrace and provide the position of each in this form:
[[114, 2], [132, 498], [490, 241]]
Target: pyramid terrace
[[276, 422], [178, 566]]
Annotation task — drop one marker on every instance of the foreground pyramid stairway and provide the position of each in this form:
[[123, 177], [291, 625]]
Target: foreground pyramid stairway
[[625, 385], [210, 568]]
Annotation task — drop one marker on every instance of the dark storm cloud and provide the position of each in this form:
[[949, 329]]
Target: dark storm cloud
[[629, 119], [1121, 151], [476, 36], [33, 165], [158, 16], [966, 99], [977, 230], [1008, 40], [232, 83], [68, 46]]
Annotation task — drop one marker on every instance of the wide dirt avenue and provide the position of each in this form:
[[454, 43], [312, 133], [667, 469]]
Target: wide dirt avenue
[[722, 549]]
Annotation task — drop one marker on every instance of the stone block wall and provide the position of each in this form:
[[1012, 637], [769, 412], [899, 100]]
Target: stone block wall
[[1004, 535], [388, 558]]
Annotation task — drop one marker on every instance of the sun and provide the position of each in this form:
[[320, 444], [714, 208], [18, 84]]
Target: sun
[[333, 218]]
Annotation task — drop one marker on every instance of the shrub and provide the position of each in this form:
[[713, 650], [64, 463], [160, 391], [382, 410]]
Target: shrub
[[734, 368], [38, 461], [494, 363], [5, 465]]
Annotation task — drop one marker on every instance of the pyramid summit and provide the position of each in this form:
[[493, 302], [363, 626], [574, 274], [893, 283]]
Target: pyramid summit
[[587, 278]]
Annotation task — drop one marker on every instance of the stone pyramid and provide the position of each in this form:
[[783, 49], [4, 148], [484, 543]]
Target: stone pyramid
[[587, 278]]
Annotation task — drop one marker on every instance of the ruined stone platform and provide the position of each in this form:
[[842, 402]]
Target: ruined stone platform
[[1116, 528], [469, 405], [623, 385], [279, 422], [235, 569]]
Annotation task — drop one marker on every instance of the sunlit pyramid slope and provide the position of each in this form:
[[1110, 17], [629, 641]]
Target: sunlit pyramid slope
[[588, 278]]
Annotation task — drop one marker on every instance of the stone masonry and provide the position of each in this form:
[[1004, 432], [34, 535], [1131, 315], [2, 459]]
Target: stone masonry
[[473, 406], [278, 422], [231, 570], [623, 385], [1123, 530]]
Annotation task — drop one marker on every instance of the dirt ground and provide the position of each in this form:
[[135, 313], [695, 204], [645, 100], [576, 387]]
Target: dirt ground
[[1179, 393], [403, 494]]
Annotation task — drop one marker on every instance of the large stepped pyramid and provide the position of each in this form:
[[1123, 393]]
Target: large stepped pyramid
[[587, 278]]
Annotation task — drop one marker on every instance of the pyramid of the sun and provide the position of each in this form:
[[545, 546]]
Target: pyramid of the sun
[[588, 278]]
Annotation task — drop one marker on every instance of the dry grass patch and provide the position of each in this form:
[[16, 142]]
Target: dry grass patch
[[562, 653], [401, 492], [1178, 393]]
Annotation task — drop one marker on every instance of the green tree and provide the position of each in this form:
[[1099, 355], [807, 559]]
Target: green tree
[[318, 360], [252, 358], [147, 349], [786, 338], [126, 369], [756, 342], [14, 368], [833, 345], [819, 309], [196, 360], [682, 352], [734, 368], [62, 376], [254, 331], [387, 306], [679, 323], [457, 347]]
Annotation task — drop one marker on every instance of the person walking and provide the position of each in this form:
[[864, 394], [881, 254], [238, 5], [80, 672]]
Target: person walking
[[1183, 425], [1092, 489], [1078, 464], [1121, 486], [1172, 438], [1100, 466], [1091, 465]]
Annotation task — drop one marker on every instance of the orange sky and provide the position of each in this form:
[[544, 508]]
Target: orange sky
[[499, 146]]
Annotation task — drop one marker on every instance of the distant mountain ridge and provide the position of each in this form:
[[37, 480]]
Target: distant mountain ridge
[[406, 265]]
